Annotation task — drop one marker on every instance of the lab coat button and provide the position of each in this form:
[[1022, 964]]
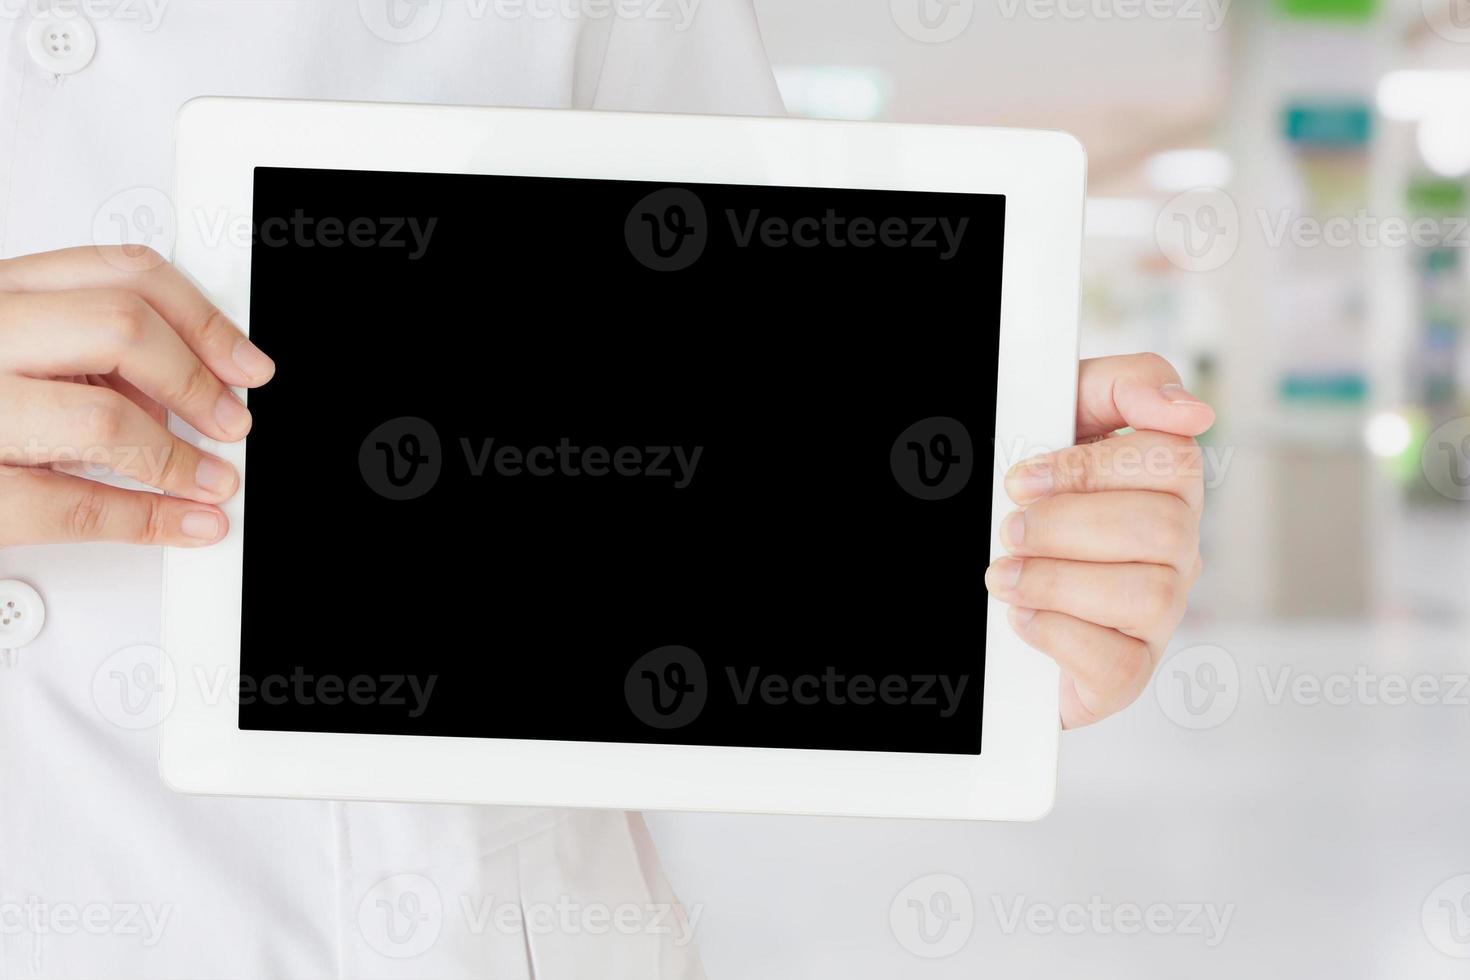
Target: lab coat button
[[22, 614], [61, 44]]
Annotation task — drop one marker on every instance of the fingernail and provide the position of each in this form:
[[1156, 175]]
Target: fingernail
[[214, 476], [253, 361], [1029, 481], [202, 525], [1013, 530], [1178, 395], [231, 415], [1020, 617], [1003, 576]]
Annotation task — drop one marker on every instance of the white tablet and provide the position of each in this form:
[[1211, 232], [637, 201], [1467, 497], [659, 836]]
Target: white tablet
[[623, 460]]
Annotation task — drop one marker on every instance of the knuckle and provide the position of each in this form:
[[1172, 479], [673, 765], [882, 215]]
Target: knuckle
[[1195, 570], [1183, 456], [86, 514], [171, 462], [1038, 579], [1156, 364], [104, 417], [1078, 469], [154, 526], [123, 319], [198, 387], [1176, 533], [1129, 671], [133, 259], [1156, 594], [1040, 523], [216, 327]]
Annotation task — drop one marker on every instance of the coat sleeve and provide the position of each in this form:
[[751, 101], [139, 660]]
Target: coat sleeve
[[700, 56]]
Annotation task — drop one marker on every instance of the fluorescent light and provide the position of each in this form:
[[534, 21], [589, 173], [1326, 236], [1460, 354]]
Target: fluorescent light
[[1387, 434], [1120, 217], [1444, 142], [833, 91], [1182, 170], [1410, 95], [1439, 101]]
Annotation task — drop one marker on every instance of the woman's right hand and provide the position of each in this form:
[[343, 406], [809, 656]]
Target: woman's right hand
[[97, 344]]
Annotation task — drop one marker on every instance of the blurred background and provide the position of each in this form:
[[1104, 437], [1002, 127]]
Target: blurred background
[[1277, 203]]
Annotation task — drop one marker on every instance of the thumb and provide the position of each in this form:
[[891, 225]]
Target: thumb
[[1141, 391]]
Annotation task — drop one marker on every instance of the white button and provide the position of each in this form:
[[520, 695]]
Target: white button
[[61, 44], [22, 614]]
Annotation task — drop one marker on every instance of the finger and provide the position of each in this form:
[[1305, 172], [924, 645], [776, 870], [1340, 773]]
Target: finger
[[1155, 461], [1142, 600], [155, 411], [42, 507], [102, 331], [1141, 391], [1103, 670], [206, 330], [1124, 526], [54, 421]]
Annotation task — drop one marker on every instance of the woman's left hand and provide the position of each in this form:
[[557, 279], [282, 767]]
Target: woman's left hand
[[1104, 547]]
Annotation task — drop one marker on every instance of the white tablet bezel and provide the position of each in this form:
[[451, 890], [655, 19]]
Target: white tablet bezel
[[1041, 174]]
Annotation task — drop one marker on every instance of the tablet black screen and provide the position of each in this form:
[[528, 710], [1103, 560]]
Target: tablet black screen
[[617, 461]]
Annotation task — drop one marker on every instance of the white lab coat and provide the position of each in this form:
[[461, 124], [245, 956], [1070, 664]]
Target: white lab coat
[[103, 871]]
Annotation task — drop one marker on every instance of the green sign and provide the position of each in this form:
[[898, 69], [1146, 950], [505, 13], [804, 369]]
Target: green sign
[[1435, 197], [1355, 11], [1333, 388], [1338, 126]]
